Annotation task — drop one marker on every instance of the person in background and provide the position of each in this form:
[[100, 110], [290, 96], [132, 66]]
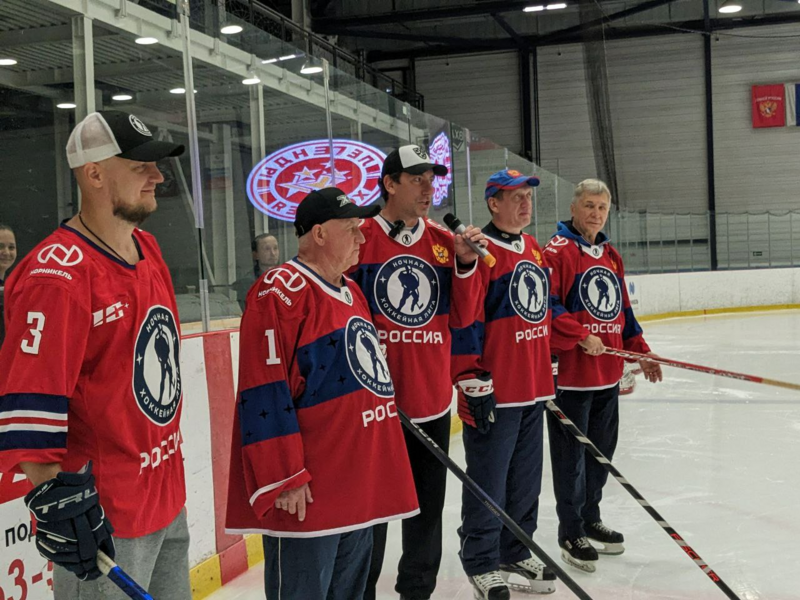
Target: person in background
[[8, 254], [266, 256], [588, 277]]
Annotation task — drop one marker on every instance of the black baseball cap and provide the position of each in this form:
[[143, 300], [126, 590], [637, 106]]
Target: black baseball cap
[[108, 133], [410, 159], [326, 204]]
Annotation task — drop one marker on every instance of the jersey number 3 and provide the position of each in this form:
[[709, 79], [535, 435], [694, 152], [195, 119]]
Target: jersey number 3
[[32, 346]]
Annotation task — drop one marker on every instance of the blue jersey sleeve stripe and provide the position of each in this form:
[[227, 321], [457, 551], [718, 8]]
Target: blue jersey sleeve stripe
[[32, 440], [34, 402], [468, 340], [266, 412], [323, 363], [632, 328]]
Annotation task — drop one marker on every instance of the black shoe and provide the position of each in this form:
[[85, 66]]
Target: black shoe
[[610, 540]]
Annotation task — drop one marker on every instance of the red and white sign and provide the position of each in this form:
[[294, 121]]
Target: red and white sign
[[278, 183], [440, 154]]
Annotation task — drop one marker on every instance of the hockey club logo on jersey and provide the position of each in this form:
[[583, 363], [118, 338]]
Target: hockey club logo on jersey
[[439, 152], [517, 245], [280, 181], [66, 257], [156, 366], [600, 293], [365, 358], [407, 291], [529, 292], [407, 238]]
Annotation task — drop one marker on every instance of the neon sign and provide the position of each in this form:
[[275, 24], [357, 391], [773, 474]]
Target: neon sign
[[278, 183], [439, 151]]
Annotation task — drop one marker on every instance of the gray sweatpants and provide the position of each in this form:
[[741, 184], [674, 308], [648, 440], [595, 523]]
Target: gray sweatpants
[[159, 562]]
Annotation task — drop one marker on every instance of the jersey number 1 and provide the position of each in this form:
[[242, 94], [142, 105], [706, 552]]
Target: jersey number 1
[[32, 346], [272, 356]]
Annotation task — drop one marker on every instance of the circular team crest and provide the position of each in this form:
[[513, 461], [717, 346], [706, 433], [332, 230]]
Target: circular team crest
[[407, 291], [439, 152], [600, 293], [139, 126], [529, 292], [156, 366], [278, 183], [365, 358]]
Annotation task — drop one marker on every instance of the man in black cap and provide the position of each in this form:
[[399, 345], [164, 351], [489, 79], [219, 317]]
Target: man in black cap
[[318, 453], [407, 256], [93, 384]]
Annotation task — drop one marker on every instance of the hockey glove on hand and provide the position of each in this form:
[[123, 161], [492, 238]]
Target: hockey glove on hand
[[71, 525], [476, 403]]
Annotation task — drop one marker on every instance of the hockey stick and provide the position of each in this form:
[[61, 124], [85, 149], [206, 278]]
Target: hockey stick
[[498, 512], [701, 369], [594, 451], [123, 581]]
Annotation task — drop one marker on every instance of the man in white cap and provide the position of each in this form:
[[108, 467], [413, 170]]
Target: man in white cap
[[92, 388]]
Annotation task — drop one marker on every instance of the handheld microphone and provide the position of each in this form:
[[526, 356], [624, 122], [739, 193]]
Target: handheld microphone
[[458, 227]]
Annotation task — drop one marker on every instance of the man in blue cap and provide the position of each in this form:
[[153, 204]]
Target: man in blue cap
[[501, 367]]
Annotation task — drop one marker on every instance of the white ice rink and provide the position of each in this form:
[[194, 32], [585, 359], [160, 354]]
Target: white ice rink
[[718, 458]]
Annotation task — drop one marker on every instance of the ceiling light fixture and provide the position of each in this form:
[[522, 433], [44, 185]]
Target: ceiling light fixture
[[287, 57], [269, 61], [231, 29], [7, 62], [146, 41], [556, 6], [536, 8], [251, 80], [121, 97], [310, 68], [730, 6], [66, 105]]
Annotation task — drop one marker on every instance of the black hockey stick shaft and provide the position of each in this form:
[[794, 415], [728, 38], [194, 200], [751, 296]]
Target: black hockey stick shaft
[[490, 504], [594, 451]]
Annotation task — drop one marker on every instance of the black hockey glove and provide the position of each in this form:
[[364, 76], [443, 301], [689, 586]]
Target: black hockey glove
[[70, 523], [476, 403]]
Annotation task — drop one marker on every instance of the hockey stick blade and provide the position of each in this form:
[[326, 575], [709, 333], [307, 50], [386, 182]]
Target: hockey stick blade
[[595, 451], [492, 506], [701, 369], [123, 581]]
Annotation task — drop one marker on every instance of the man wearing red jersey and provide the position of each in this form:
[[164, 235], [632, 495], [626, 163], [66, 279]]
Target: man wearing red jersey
[[589, 280], [90, 400], [417, 277], [317, 450]]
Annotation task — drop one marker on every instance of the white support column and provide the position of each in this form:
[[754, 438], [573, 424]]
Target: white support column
[[63, 176], [83, 66], [258, 141], [222, 218]]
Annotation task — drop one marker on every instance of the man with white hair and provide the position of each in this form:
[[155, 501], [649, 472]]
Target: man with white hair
[[588, 279], [91, 393]]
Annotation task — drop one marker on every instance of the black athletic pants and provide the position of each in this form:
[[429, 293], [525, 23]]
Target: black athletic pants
[[422, 535], [578, 478]]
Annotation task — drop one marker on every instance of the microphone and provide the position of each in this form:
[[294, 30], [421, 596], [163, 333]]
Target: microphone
[[458, 227]]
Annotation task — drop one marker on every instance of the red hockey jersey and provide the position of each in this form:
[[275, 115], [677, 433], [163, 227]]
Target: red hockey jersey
[[316, 405], [91, 371], [511, 335], [589, 280], [416, 295]]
